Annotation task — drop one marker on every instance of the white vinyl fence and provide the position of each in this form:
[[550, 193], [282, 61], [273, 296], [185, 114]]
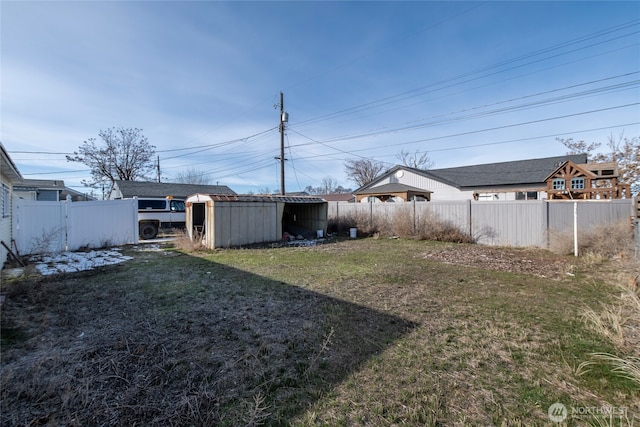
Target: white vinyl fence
[[50, 227], [508, 223]]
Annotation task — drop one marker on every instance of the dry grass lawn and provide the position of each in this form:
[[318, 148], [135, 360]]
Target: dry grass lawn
[[366, 332]]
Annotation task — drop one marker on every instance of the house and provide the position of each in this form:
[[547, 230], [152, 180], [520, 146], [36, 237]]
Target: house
[[516, 180], [8, 176], [586, 181], [47, 190], [233, 220], [128, 189], [39, 189]]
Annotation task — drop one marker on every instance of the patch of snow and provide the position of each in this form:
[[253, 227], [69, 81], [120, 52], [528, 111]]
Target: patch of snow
[[69, 262]]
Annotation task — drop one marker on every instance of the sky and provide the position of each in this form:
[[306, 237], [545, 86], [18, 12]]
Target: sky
[[465, 82]]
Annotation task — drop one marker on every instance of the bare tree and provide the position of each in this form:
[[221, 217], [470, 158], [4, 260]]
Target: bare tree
[[581, 147], [362, 171], [626, 152], [192, 176], [416, 160], [329, 185], [123, 154]]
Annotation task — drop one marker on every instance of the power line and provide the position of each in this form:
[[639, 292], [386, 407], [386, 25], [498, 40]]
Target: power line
[[443, 84], [573, 132]]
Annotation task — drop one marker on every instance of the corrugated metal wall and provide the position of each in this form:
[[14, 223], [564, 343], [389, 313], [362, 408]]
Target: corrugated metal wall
[[243, 223], [42, 227], [509, 223]]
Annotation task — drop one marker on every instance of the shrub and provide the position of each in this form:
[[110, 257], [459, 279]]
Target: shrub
[[431, 227], [401, 224]]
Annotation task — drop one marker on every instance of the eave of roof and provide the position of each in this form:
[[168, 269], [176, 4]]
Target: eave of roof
[[7, 166]]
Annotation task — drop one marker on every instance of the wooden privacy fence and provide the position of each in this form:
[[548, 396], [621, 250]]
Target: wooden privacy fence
[[50, 227], [507, 223]]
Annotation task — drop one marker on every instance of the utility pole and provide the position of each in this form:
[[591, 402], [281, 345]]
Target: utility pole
[[283, 119], [158, 168]]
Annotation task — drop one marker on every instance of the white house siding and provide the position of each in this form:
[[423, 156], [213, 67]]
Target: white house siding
[[441, 191], [5, 216]]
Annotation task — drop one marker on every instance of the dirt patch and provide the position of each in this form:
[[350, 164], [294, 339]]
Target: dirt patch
[[523, 261]]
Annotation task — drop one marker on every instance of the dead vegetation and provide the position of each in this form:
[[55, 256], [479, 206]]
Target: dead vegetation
[[599, 242], [356, 332], [402, 224]]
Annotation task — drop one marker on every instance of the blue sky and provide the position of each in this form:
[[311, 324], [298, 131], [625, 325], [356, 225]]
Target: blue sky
[[467, 82]]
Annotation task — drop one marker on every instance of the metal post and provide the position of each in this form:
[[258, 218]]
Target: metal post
[[575, 228]]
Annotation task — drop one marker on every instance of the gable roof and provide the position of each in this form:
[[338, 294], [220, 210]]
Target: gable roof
[[338, 197], [505, 173], [39, 184], [531, 171], [163, 189], [570, 165], [393, 187]]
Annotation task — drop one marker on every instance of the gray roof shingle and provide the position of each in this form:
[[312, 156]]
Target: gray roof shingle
[[504, 173], [162, 189]]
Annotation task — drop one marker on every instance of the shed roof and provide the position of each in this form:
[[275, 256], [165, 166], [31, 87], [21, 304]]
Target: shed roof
[[257, 198], [163, 189]]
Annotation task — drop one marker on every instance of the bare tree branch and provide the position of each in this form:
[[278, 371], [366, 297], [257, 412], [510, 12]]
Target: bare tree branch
[[122, 154], [416, 160], [362, 171]]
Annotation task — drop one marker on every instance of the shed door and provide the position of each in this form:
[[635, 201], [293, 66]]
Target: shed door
[[197, 215]]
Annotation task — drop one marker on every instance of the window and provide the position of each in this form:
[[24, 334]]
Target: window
[[526, 195], [152, 204], [177, 206], [6, 198], [558, 184], [577, 184]]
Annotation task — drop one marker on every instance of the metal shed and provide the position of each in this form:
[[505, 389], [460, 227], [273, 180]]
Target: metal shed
[[225, 220]]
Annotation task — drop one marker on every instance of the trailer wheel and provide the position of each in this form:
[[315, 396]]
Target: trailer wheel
[[148, 230]]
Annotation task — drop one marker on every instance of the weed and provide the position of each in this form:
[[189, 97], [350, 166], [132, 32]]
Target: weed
[[600, 243], [183, 242]]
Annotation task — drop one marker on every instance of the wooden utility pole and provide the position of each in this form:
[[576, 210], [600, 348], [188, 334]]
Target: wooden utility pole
[[283, 120], [158, 168]]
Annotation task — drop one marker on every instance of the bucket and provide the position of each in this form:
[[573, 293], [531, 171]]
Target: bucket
[[320, 233], [353, 232]]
